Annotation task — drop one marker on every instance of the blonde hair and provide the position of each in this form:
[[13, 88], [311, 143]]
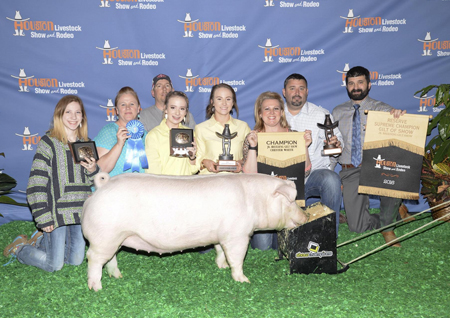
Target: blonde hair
[[126, 90], [259, 124], [58, 131]]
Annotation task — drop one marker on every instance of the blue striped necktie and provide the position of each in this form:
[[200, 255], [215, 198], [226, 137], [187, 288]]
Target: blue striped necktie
[[356, 137]]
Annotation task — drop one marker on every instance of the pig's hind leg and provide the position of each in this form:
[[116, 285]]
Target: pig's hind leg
[[235, 251], [96, 260]]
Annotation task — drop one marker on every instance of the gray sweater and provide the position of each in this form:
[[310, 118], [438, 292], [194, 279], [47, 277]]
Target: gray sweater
[[57, 187]]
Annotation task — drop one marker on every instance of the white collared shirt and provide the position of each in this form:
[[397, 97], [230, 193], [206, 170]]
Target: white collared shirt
[[307, 118]]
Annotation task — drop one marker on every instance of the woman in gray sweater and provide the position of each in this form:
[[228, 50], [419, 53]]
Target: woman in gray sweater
[[57, 189]]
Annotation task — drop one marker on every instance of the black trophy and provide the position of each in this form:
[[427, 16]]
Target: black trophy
[[226, 162], [329, 149]]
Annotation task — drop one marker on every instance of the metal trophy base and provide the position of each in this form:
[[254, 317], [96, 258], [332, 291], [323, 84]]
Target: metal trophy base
[[227, 165], [331, 151]]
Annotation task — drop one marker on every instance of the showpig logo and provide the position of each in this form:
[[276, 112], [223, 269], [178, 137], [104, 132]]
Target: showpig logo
[[110, 110], [209, 30], [28, 139], [430, 45], [376, 78], [42, 29], [205, 84], [140, 5], [45, 85], [129, 57], [370, 24], [289, 54], [313, 252]]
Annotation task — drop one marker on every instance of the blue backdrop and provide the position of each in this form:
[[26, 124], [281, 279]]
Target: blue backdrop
[[93, 48]]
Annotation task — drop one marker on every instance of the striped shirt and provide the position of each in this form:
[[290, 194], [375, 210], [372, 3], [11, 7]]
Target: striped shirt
[[57, 187]]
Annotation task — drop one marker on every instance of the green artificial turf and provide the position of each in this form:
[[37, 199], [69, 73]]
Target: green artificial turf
[[412, 281]]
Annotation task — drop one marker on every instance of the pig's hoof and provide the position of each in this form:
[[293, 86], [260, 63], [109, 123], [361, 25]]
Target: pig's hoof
[[223, 265], [96, 285], [241, 278], [114, 273]]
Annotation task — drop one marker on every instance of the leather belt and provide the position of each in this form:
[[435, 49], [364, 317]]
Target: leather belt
[[349, 166]]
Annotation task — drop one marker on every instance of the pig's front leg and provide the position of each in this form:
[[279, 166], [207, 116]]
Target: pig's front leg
[[235, 251], [221, 260]]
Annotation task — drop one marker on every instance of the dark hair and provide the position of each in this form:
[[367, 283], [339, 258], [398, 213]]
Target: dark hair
[[178, 94], [209, 108], [295, 76], [358, 71]]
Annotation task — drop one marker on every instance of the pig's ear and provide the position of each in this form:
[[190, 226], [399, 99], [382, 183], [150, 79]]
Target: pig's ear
[[287, 191]]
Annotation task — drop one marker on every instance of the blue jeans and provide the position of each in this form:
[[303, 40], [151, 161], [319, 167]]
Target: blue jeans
[[264, 240], [64, 245], [325, 184]]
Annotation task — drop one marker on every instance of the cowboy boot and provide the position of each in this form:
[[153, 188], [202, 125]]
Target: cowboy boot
[[390, 236], [403, 211]]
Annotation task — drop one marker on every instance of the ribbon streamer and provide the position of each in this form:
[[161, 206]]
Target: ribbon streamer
[[135, 147]]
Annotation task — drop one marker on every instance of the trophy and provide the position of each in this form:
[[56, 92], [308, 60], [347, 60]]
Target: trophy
[[180, 140], [82, 150], [329, 149], [226, 162]]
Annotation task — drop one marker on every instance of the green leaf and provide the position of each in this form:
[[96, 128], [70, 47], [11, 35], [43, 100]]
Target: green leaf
[[7, 200], [425, 90], [435, 142], [6, 182], [442, 152]]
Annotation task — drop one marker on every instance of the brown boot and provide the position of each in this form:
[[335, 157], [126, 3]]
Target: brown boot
[[403, 211], [390, 236]]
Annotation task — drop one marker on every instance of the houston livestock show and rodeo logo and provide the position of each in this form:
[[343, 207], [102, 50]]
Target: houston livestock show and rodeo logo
[[370, 24], [431, 46], [291, 4], [130, 4], [45, 85], [110, 110], [204, 84], [209, 29], [289, 54], [129, 57], [28, 139], [42, 29], [376, 78]]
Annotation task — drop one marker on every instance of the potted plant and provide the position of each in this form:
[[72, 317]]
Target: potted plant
[[7, 183], [436, 164]]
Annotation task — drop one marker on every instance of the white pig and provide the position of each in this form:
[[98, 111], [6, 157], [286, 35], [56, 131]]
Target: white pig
[[164, 214]]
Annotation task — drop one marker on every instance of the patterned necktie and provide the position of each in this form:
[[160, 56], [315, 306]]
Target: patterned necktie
[[356, 137]]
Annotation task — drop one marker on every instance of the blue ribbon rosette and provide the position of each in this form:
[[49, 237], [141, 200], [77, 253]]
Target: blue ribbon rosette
[[135, 147]]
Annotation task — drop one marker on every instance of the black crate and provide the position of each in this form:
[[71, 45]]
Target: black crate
[[311, 247]]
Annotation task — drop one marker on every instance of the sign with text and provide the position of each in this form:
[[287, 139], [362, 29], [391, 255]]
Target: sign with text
[[283, 155], [392, 155]]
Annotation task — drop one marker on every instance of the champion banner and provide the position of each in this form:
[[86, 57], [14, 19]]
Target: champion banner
[[283, 155], [392, 155]]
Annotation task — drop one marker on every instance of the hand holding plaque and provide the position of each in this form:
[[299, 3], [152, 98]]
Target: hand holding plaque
[[180, 141], [226, 162], [329, 148]]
